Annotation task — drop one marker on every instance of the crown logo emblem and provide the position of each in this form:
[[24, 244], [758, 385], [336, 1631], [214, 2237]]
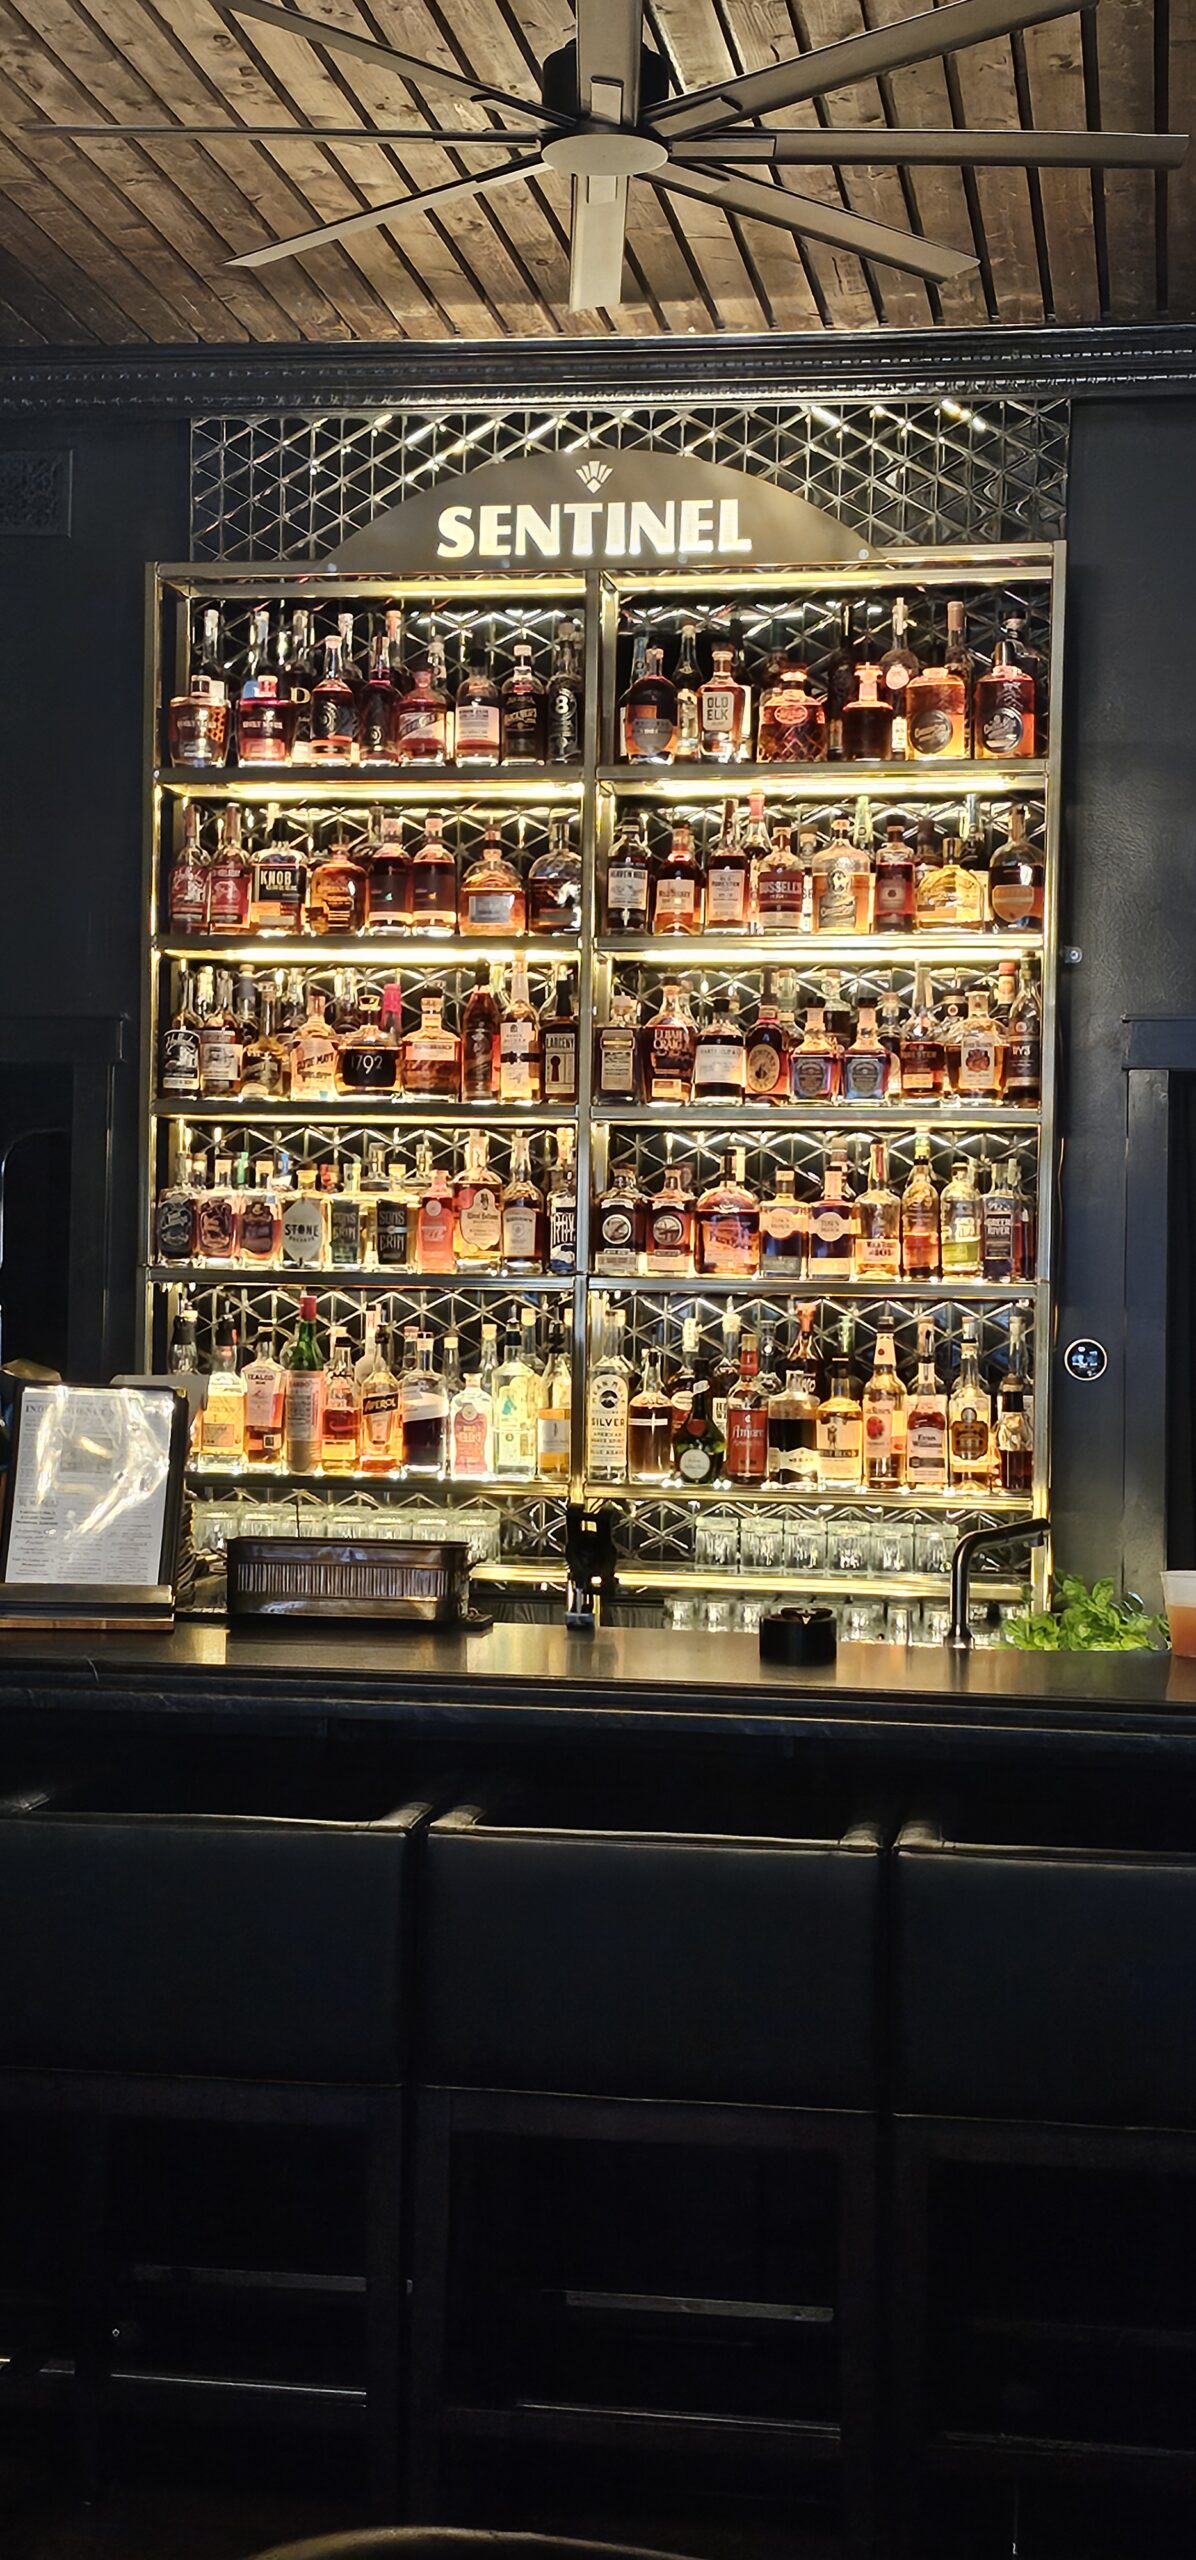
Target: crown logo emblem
[[594, 475]]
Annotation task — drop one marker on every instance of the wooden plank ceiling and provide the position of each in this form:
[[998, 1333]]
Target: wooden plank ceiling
[[125, 242]]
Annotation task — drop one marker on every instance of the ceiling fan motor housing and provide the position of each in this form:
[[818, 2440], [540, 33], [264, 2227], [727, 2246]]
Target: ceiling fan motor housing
[[561, 87]]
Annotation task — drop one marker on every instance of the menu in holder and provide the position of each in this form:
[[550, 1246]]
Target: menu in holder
[[94, 1502]]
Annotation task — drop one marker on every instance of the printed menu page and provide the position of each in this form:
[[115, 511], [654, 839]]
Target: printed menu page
[[89, 1492]]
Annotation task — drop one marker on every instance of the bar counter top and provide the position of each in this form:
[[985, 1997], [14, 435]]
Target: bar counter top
[[536, 1678]]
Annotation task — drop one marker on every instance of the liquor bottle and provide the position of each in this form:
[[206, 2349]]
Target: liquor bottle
[[435, 1215], [680, 1384], [608, 1407], [766, 1075], [218, 1217], [841, 876], [699, 1447], [394, 1219], [378, 704], [261, 1218], [1023, 1042], [480, 1023], [792, 719], [898, 665], [669, 1042], [559, 1037], [687, 679], [724, 722], [980, 1058], [669, 1229], [478, 1210], [432, 1053], [304, 1399], [522, 707], [336, 892], [175, 1219], [920, 1232], [1034, 664], [387, 876], [554, 1408], [433, 882], [554, 884], [747, 1419], [650, 1426], [728, 878], [678, 889], [1004, 708], [864, 1075], [649, 714], [923, 1062], [564, 702], [304, 1240], [471, 1426], [893, 901], [478, 715], [197, 720], [348, 1222], [421, 727], [222, 1420], [815, 1064], [620, 1225], [728, 1222], [1014, 1430], [425, 1413], [793, 1411], [959, 661], [219, 1044], [333, 714], [725, 1373], [841, 678], [840, 1422], [187, 898], [520, 1052], [1017, 879], [313, 1054], [381, 1424], [959, 1223], [868, 721], [783, 1223], [522, 1237], [617, 1052], [949, 893], [878, 1221], [883, 1414], [629, 879], [831, 1244], [368, 1058], [926, 1439], [264, 1380], [265, 718], [1006, 1226], [302, 672], [277, 880], [780, 886], [341, 1419], [969, 1415], [228, 878], [720, 1056], [561, 1208], [492, 896], [936, 711]]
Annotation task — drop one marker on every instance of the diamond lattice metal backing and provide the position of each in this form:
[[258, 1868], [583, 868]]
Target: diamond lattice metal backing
[[916, 472]]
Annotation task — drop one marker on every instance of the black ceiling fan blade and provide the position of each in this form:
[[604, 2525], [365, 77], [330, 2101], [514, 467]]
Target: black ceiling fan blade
[[385, 58], [427, 201], [862, 57], [880, 146], [812, 221], [292, 133]]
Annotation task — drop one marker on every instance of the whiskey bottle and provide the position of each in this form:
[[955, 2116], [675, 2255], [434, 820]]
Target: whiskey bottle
[[725, 1373], [187, 899], [559, 1035], [893, 903], [793, 1411], [1017, 879], [339, 1439], [1014, 1430], [920, 1234], [478, 716], [219, 1041], [197, 720], [878, 1221], [780, 885], [620, 1225], [969, 1416], [261, 1219], [678, 889], [649, 1427], [728, 879], [522, 706], [265, 1403], [347, 1221], [303, 1416], [724, 726], [228, 878], [387, 876], [959, 1223], [687, 679], [728, 1223], [669, 1041], [302, 672], [520, 1051], [766, 1076], [628, 879], [815, 1063], [1034, 664], [478, 1209], [980, 1058], [841, 876], [792, 719], [783, 1224], [680, 1383], [926, 1422], [959, 661], [747, 1419], [222, 1420], [607, 1409], [564, 700], [841, 669], [554, 884], [1004, 712], [522, 1236], [883, 1415], [669, 1230], [421, 726], [865, 1069], [1006, 1226], [394, 1220], [333, 714], [492, 896], [936, 711], [433, 882], [481, 1020], [336, 892], [720, 1058], [698, 1444], [266, 718], [840, 1422], [432, 1053], [277, 880], [435, 1215], [1023, 1043], [922, 1057], [897, 667], [378, 704], [617, 1052], [949, 894], [562, 1208], [649, 714], [867, 722], [554, 1409], [833, 1223]]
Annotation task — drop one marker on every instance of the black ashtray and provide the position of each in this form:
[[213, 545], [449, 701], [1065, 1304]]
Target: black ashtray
[[806, 1637]]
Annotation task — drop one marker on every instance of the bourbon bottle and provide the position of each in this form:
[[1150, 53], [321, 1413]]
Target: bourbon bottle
[[649, 714], [1005, 708]]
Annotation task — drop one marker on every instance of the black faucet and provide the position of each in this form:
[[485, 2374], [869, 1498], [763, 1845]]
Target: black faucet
[[959, 1634]]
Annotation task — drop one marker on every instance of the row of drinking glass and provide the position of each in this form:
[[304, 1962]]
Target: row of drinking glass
[[921, 1622]]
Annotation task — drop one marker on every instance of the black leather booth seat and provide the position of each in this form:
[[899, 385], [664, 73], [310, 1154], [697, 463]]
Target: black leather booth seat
[[213, 1909], [1055, 1984], [652, 1950]]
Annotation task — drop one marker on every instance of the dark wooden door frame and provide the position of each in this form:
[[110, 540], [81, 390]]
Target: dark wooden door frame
[[92, 1047], [1157, 1047]]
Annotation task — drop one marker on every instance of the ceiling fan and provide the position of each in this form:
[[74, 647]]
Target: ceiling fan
[[606, 116]]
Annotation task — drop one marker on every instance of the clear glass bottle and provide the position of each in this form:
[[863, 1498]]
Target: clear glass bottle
[[617, 1051], [720, 1058], [883, 1415], [1023, 1042], [313, 1054], [893, 882], [222, 1420], [492, 895], [979, 1060], [959, 1223], [1014, 1429], [520, 1045], [792, 719], [780, 885], [421, 729], [435, 1216], [1017, 879], [687, 678], [926, 1436], [265, 1404], [432, 1053], [669, 1043], [629, 878], [923, 1059], [332, 717], [669, 1230], [728, 878], [728, 1222], [478, 1209], [341, 1410], [608, 1401], [523, 1222], [969, 1415], [920, 1233], [471, 1421], [898, 665], [554, 1409], [878, 1221], [724, 720], [949, 893], [747, 1418], [815, 1064], [783, 1224], [304, 1239], [425, 1413], [187, 896], [841, 876], [554, 883], [620, 1225], [388, 876], [650, 1426], [840, 1422], [197, 720], [866, 1061], [678, 887], [381, 1427], [336, 892], [478, 715], [229, 878], [481, 1021]]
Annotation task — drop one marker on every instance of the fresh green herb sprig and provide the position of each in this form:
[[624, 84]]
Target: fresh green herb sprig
[[1085, 1621]]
